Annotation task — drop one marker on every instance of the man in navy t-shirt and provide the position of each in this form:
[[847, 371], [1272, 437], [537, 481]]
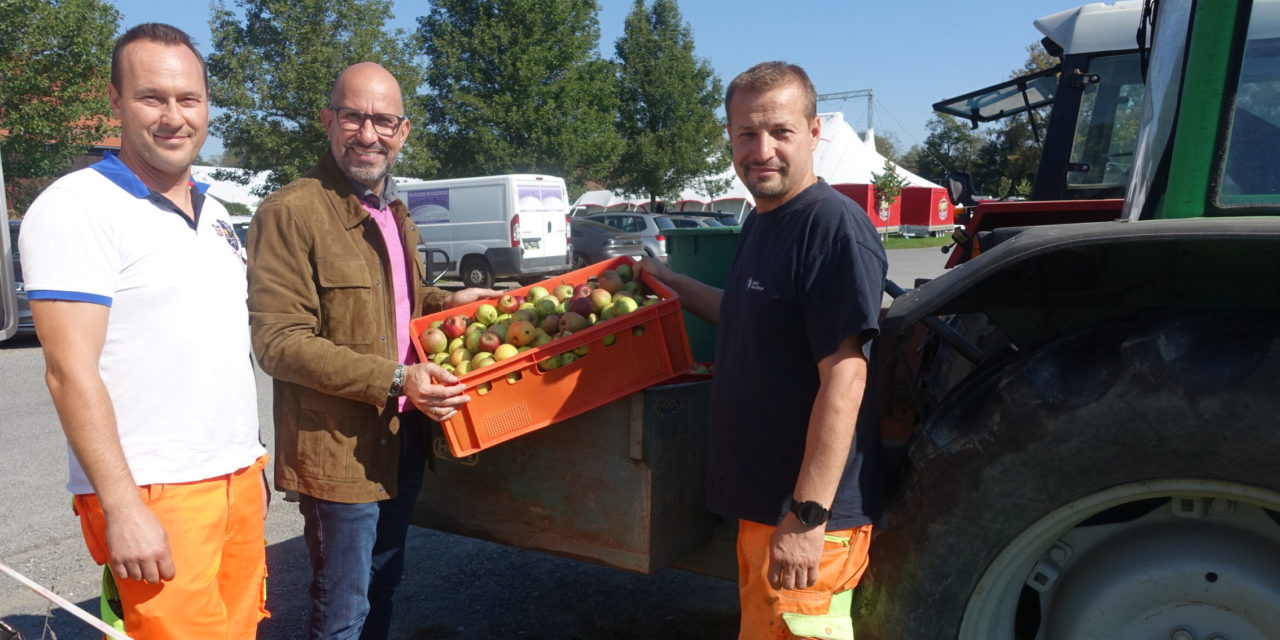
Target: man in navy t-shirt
[[794, 436]]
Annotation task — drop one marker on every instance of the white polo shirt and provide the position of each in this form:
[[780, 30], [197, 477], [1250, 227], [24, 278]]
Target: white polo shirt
[[176, 362]]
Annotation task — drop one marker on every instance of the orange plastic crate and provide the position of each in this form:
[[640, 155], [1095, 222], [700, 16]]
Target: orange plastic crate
[[512, 397]]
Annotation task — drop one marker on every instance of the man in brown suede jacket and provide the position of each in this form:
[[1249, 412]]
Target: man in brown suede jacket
[[334, 278]]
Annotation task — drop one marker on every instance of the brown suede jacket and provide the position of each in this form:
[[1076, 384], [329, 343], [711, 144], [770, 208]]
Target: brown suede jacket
[[323, 322]]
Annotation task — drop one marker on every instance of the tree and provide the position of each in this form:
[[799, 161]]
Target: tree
[[888, 184], [887, 145], [519, 87], [54, 67], [271, 73], [950, 146], [667, 112]]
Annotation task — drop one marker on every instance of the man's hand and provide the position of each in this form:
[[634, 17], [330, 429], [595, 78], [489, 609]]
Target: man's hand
[[137, 545], [433, 390], [467, 296], [655, 267], [794, 554]]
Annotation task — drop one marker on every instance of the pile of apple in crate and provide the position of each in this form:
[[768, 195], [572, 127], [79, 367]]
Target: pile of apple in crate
[[549, 351]]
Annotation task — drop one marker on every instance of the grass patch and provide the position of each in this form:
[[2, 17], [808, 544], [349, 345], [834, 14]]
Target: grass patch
[[899, 242]]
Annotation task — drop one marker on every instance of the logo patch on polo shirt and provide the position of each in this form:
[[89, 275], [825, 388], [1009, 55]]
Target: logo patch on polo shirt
[[222, 228]]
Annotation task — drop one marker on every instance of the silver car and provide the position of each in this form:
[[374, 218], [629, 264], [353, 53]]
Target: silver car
[[595, 242], [650, 227], [26, 327]]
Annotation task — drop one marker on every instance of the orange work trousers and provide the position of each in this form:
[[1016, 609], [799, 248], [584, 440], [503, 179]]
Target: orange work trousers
[[216, 536], [822, 610]]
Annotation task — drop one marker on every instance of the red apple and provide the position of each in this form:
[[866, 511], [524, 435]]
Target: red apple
[[489, 341], [455, 325], [581, 306], [508, 304], [581, 291]]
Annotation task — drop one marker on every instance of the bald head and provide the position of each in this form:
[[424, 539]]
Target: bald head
[[365, 122], [366, 78]]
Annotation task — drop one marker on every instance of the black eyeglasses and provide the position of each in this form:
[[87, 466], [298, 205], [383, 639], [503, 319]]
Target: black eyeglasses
[[384, 124]]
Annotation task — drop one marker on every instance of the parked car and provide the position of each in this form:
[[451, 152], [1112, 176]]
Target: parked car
[[595, 241], [651, 228], [241, 226], [26, 327], [694, 221]]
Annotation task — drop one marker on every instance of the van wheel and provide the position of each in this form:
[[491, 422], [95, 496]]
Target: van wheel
[[579, 261], [476, 273]]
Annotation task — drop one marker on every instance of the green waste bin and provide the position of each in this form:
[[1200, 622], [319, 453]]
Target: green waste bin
[[704, 253]]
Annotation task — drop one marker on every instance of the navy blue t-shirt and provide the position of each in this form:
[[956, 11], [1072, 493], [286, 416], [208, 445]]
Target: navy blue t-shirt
[[807, 275]]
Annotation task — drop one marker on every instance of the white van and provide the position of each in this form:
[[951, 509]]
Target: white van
[[510, 226]]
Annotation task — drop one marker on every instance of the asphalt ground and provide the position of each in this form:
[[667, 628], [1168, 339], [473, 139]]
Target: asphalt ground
[[454, 587]]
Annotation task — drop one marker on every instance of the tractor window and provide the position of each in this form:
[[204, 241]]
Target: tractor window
[[1160, 102], [1250, 172], [1107, 129]]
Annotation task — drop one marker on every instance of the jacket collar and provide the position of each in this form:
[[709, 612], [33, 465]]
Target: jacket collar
[[343, 196]]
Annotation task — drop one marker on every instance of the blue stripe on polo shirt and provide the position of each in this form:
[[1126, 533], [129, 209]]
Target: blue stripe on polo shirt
[[123, 177], [70, 296]]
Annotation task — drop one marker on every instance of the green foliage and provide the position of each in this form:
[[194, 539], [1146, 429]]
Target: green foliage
[[518, 87], [237, 208], [667, 112], [55, 57], [888, 184], [887, 145], [272, 70], [950, 145]]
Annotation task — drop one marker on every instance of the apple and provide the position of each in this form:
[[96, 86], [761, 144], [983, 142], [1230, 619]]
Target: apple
[[581, 306], [608, 313], [567, 358], [610, 281], [650, 300], [503, 318], [455, 344], [454, 325], [460, 356], [489, 341], [609, 340], [508, 304], [537, 293], [546, 305], [573, 322], [441, 358], [486, 314], [482, 360], [581, 291], [562, 291], [624, 305], [541, 339], [448, 367], [525, 315], [505, 351], [550, 363], [434, 341], [600, 300], [562, 307], [520, 333], [582, 351], [524, 305], [632, 287], [551, 323], [435, 324], [464, 368], [474, 327], [472, 340], [624, 272]]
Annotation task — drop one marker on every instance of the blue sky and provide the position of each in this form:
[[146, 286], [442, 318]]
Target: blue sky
[[912, 53]]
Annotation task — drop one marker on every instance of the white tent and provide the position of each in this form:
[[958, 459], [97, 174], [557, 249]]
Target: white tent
[[842, 157], [228, 191]]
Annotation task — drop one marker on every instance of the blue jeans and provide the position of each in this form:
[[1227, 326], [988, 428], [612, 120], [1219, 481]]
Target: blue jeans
[[357, 550]]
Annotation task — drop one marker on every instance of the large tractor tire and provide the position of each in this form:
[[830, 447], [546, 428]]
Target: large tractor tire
[[1122, 484]]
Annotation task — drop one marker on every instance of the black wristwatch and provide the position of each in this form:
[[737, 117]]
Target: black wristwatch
[[397, 382], [810, 513]]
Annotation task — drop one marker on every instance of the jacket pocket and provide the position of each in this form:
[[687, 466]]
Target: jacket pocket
[[346, 301], [326, 446]]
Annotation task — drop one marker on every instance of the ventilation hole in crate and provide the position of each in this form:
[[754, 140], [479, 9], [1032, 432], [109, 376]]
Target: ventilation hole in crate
[[514, 377], [483, 388]]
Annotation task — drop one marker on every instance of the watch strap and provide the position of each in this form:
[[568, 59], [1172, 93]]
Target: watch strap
[[397, 382]]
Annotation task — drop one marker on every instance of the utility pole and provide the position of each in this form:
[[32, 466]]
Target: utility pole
[[869, 94]]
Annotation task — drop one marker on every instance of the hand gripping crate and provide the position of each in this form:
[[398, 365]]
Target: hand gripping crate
[[513, 397]]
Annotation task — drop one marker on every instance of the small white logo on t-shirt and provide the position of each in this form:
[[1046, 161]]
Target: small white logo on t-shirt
[[754, 285]]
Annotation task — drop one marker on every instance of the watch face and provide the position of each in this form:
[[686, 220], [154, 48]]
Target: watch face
[[811, 514]]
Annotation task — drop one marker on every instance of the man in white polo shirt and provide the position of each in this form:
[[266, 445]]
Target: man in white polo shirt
[[138, 292]]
